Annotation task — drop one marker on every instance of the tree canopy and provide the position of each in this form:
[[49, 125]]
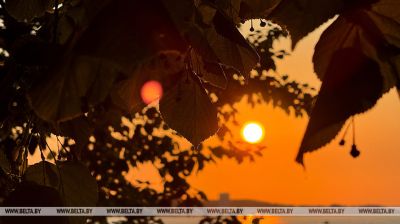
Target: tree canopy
[[74, 68]]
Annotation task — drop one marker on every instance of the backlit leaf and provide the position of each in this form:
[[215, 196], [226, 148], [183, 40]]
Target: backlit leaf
[[188, 110], [352, 85]]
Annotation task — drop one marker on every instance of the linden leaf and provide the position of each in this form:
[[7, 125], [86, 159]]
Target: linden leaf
[[370, 38], [209, 72], [188, 110], [250, 9], [301, 17], [76, 85], [217, 40], [72, 180], [352, 85], [26, 10]]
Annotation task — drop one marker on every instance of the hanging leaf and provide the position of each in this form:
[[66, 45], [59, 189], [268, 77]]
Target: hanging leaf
[[209, 72], [76, 185], [75, 86], [26, 10], [229, 45], [301, 17], [252, 9], [72, 180], [351, 85], [78, 129], [30, 194], [188, 110], [43, 173], [370, 37]]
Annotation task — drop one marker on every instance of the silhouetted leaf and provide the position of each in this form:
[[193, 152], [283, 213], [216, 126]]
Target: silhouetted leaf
[[216, 41], [351, 85], [30, 194], [76, 185], [43, 173], [370, 37], [78, 129], [188, 110], [301, 17], [73, 87], [27, 9], [73, 181], [209, 72], [250, 9]]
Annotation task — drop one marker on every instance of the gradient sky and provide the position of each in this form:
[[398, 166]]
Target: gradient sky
[[331, 174]]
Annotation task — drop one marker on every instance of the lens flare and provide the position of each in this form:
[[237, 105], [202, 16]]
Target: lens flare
[[152, 90]]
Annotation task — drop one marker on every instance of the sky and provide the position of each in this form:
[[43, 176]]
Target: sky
[[331, 175]]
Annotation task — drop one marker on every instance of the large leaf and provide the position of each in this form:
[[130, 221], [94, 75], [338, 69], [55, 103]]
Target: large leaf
[[30, 194], [250, 9], [352, 85], [188, 110], [73, 87], [26, 10], [72, 179], [301, 17], [370, 37]]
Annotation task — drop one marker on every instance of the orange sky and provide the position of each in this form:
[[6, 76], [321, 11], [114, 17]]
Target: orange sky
[[331, 175]]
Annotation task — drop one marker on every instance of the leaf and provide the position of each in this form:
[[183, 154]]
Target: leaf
[[188, 110], [119, 34], [76, 185], [30, 194], [73, 87], [250, 9], [352, 85], [43, 173], [301, 17], [26, 10], [370, 36], [225, 41], [72, 179], [374, 36], [215, 42], [78, 129], [209, 72], [163, 67]]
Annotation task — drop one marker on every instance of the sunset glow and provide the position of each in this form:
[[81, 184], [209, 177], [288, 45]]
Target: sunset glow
[[252, 132]]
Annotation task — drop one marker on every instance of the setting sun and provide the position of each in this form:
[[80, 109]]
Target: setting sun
[[252, 132]]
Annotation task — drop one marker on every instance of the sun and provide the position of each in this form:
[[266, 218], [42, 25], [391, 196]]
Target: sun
[[253, 132]]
